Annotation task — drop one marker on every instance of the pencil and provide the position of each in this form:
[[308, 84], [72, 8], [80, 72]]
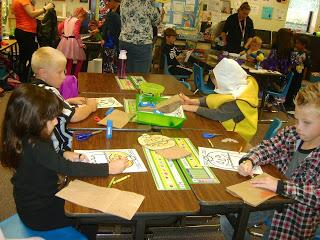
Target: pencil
[[240, 149], [211, 144], [121, 179], [111, 182], [230, 161]]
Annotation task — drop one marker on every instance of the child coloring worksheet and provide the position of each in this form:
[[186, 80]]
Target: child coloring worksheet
[[106, 156], [223, 159]]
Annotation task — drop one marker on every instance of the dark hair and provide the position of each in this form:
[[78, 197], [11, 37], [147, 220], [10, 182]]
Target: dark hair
[[29, 109], [245, 6], [303, 40], [284, 43], [170, 32]]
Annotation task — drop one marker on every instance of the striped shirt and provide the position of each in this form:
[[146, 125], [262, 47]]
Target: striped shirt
[[61, 137]]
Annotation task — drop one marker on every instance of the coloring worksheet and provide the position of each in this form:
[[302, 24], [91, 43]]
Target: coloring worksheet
[[106, 156], [223, 159], [107, 102]]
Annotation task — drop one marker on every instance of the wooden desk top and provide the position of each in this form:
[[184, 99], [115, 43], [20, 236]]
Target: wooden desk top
[[155, 202], [194, 121], [10, 42], [106, 83], [215, 194]]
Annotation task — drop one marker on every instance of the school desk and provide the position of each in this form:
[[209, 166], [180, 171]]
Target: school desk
[[213, 198], [193, 121], [156, 205], [208, 199], [106, 83]]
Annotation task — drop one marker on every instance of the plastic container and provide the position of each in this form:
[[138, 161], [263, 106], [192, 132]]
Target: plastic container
[[122, 64], [157, 119], [152, 89]]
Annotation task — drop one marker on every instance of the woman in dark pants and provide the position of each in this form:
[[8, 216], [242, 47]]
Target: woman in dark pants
[[25, 32], [238, 30]]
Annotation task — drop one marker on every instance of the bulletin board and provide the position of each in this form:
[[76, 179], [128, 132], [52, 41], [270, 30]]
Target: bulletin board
[[181, 13]]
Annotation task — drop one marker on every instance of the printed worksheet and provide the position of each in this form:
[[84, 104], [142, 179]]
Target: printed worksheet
[[223, 159], [107, 102], [109, 155]]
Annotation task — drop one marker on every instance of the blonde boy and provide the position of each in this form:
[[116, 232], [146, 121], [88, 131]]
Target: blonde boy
[[49, 65], [295, 151]]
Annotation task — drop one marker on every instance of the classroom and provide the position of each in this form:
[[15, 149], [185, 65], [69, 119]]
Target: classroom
[[159, 119]]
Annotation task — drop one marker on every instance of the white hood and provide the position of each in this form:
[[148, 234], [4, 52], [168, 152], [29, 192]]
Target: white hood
[[230, 77]]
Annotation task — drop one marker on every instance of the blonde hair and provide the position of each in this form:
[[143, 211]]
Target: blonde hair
[[46, 58], [257, 40], [309, 95]]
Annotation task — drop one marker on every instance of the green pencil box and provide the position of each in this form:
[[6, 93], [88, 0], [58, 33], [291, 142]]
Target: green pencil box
[[173, 120]]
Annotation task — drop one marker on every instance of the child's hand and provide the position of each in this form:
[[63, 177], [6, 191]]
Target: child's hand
[[245, 168], [75, 157], [190, 108], [92, 103], [181, 58], [77, 100], [118, 166], [188, 101], [269, 183], [184, 99]]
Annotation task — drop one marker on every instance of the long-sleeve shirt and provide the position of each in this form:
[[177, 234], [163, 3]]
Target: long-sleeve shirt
[[36, 178], [228, 110], [171, 52], [298, 220], [61, 137], [137, 19]]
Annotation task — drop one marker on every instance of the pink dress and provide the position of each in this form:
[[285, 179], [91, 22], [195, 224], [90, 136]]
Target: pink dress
[[70, 43]]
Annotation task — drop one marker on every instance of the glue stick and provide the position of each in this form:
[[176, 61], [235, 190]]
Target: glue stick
[[109, 129]]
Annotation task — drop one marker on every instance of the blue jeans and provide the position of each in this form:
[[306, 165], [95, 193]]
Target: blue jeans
[[139, 57], [254, 218]]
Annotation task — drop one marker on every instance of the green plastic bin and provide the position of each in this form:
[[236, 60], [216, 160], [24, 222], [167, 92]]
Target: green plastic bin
[[162, 120]]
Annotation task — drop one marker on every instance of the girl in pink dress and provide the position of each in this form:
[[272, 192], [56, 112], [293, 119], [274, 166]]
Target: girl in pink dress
[[71, 44]]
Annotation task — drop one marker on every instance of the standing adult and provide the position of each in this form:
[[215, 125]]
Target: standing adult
[[238, 30], [25, 32], [137, 19]]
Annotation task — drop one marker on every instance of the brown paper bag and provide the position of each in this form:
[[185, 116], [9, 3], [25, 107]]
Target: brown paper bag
[[173, 152], [119, 118], [251, 195], [169, 105], [109, 200]]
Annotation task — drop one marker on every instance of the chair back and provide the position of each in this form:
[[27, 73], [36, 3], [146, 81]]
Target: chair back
[[285, 90], [198, 76], [274, 127], [165, 65]]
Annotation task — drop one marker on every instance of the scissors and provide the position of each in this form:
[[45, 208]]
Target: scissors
[[210, 135], [85, 136]]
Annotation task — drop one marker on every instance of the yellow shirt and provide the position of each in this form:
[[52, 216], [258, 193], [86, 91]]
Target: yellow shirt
[[247, 102]]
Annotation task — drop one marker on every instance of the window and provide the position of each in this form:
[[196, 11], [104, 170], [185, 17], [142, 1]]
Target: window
[[299, 13]]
